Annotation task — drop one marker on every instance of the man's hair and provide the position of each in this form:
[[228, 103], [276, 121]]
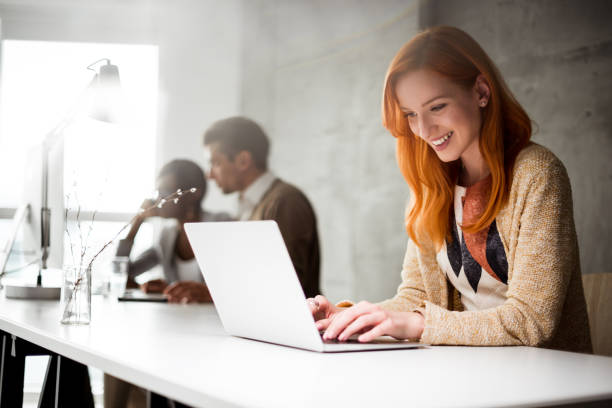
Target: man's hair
[[238, 133], [187, 174]]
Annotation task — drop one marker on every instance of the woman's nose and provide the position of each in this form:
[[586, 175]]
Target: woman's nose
[[422, 127]]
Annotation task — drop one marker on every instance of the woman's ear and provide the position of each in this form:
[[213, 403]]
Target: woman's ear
[[482, 90]]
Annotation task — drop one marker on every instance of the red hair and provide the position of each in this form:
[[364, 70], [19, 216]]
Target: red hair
[[505, 131]]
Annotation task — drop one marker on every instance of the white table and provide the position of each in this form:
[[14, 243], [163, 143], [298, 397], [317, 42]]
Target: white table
[[181, 351]]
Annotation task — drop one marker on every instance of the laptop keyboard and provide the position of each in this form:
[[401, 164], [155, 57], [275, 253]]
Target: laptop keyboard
[[352, 339]]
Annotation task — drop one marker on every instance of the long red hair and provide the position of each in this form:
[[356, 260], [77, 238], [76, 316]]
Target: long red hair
[[505, 131]]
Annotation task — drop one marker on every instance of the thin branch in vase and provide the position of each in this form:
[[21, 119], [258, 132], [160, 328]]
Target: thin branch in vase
[[68, 233], [93, 219], [174, 197], [78, 221]]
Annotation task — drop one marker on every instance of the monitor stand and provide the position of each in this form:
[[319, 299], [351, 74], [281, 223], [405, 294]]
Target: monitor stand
[[32, 292], [25, 291]]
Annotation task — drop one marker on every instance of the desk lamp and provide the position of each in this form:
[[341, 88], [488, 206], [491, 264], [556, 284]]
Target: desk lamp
[[102, 89]]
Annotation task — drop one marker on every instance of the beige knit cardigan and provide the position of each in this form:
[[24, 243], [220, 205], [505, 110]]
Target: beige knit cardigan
[[545, 304]]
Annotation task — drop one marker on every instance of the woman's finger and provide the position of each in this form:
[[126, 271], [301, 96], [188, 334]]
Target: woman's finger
[[313, 305], [173, 288], [344, 318], [322, 301], [180, 292], [362, 322], [323, 323], [384, 327]]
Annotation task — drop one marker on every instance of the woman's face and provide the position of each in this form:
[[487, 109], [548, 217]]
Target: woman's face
[[444, 114]]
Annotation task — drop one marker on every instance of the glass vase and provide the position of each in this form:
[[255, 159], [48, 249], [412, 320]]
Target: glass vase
[[75, 305]]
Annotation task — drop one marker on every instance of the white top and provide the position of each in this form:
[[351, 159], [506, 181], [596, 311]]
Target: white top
[[184, 353], [188, 270], [490, 292], [253, 194]]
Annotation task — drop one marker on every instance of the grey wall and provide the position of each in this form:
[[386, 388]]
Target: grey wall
[[313, 73], [557, 58], [312, 76]]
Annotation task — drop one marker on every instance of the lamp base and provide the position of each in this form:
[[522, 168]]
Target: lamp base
[[32, 292], [17, 288]]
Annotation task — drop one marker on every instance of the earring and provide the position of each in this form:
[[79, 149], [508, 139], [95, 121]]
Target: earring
[[483, 103]]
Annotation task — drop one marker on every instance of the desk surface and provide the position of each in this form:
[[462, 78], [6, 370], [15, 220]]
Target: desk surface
[[182, 351]]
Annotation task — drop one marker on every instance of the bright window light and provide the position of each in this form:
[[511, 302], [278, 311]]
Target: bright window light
[[107, 167]]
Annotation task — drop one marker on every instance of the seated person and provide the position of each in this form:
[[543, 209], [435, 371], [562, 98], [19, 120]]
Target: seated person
[[172, 251], [239, 163], [238, 150], [493, 255]]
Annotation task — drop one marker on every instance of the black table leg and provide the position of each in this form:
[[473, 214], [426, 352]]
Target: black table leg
[[66, 382], [158, 401], [12, 367]]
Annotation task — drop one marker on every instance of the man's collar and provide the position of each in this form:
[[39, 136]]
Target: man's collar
[[253, 194]]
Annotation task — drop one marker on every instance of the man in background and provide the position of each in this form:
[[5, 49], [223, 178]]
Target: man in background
[[239, 150]]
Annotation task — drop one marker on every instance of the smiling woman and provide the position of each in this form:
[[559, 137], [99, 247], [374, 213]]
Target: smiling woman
[[493, 256]]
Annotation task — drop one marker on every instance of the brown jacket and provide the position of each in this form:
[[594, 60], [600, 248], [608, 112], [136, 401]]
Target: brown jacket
[[545, 304], [290, 208]]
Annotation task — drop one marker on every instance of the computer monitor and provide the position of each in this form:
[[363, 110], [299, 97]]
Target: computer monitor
[[36, 228], [16, 224], [42, 228]]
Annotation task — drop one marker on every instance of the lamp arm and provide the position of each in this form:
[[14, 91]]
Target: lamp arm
[[89, 67], [49, 141], [54, 134]]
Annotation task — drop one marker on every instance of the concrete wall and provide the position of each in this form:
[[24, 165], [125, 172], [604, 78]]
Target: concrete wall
[[313, 74], [557, 58]]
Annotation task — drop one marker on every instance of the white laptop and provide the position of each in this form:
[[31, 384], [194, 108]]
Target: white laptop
[[255, 288]]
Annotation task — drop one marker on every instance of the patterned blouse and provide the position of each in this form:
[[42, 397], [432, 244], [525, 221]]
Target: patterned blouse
[[475, 263]]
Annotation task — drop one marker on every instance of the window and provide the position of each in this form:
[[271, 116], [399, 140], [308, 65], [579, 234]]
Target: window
[[108, 168]]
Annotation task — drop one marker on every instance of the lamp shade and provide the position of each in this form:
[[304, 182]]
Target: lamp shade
[[106, 94], [108, 76]]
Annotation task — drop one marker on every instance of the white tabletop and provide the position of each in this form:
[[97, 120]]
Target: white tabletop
[[181, 351]]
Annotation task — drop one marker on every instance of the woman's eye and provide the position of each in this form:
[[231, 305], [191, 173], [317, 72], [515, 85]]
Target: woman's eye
[[438, 107], [409, 115]]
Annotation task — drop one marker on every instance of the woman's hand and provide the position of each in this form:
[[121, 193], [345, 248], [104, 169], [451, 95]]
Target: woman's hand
[[187, 292], [148, 209], [154, 286], [322, 310], [372, 321]]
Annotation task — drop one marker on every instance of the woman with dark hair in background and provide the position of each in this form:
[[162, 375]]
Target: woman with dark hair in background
[[172, 251], [493, 255]]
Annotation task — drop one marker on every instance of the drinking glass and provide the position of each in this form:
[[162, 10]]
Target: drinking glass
[[118, 275], [75, 304]]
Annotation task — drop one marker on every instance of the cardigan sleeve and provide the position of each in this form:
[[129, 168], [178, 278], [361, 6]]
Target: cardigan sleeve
[[410, 294], [545, 255]]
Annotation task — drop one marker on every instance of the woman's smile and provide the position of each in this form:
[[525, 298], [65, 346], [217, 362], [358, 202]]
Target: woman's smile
[[441, 143]]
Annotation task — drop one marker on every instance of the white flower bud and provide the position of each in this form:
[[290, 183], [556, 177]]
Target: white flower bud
[[160, 205], [163, 201], [193, 189], [175, 201]]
